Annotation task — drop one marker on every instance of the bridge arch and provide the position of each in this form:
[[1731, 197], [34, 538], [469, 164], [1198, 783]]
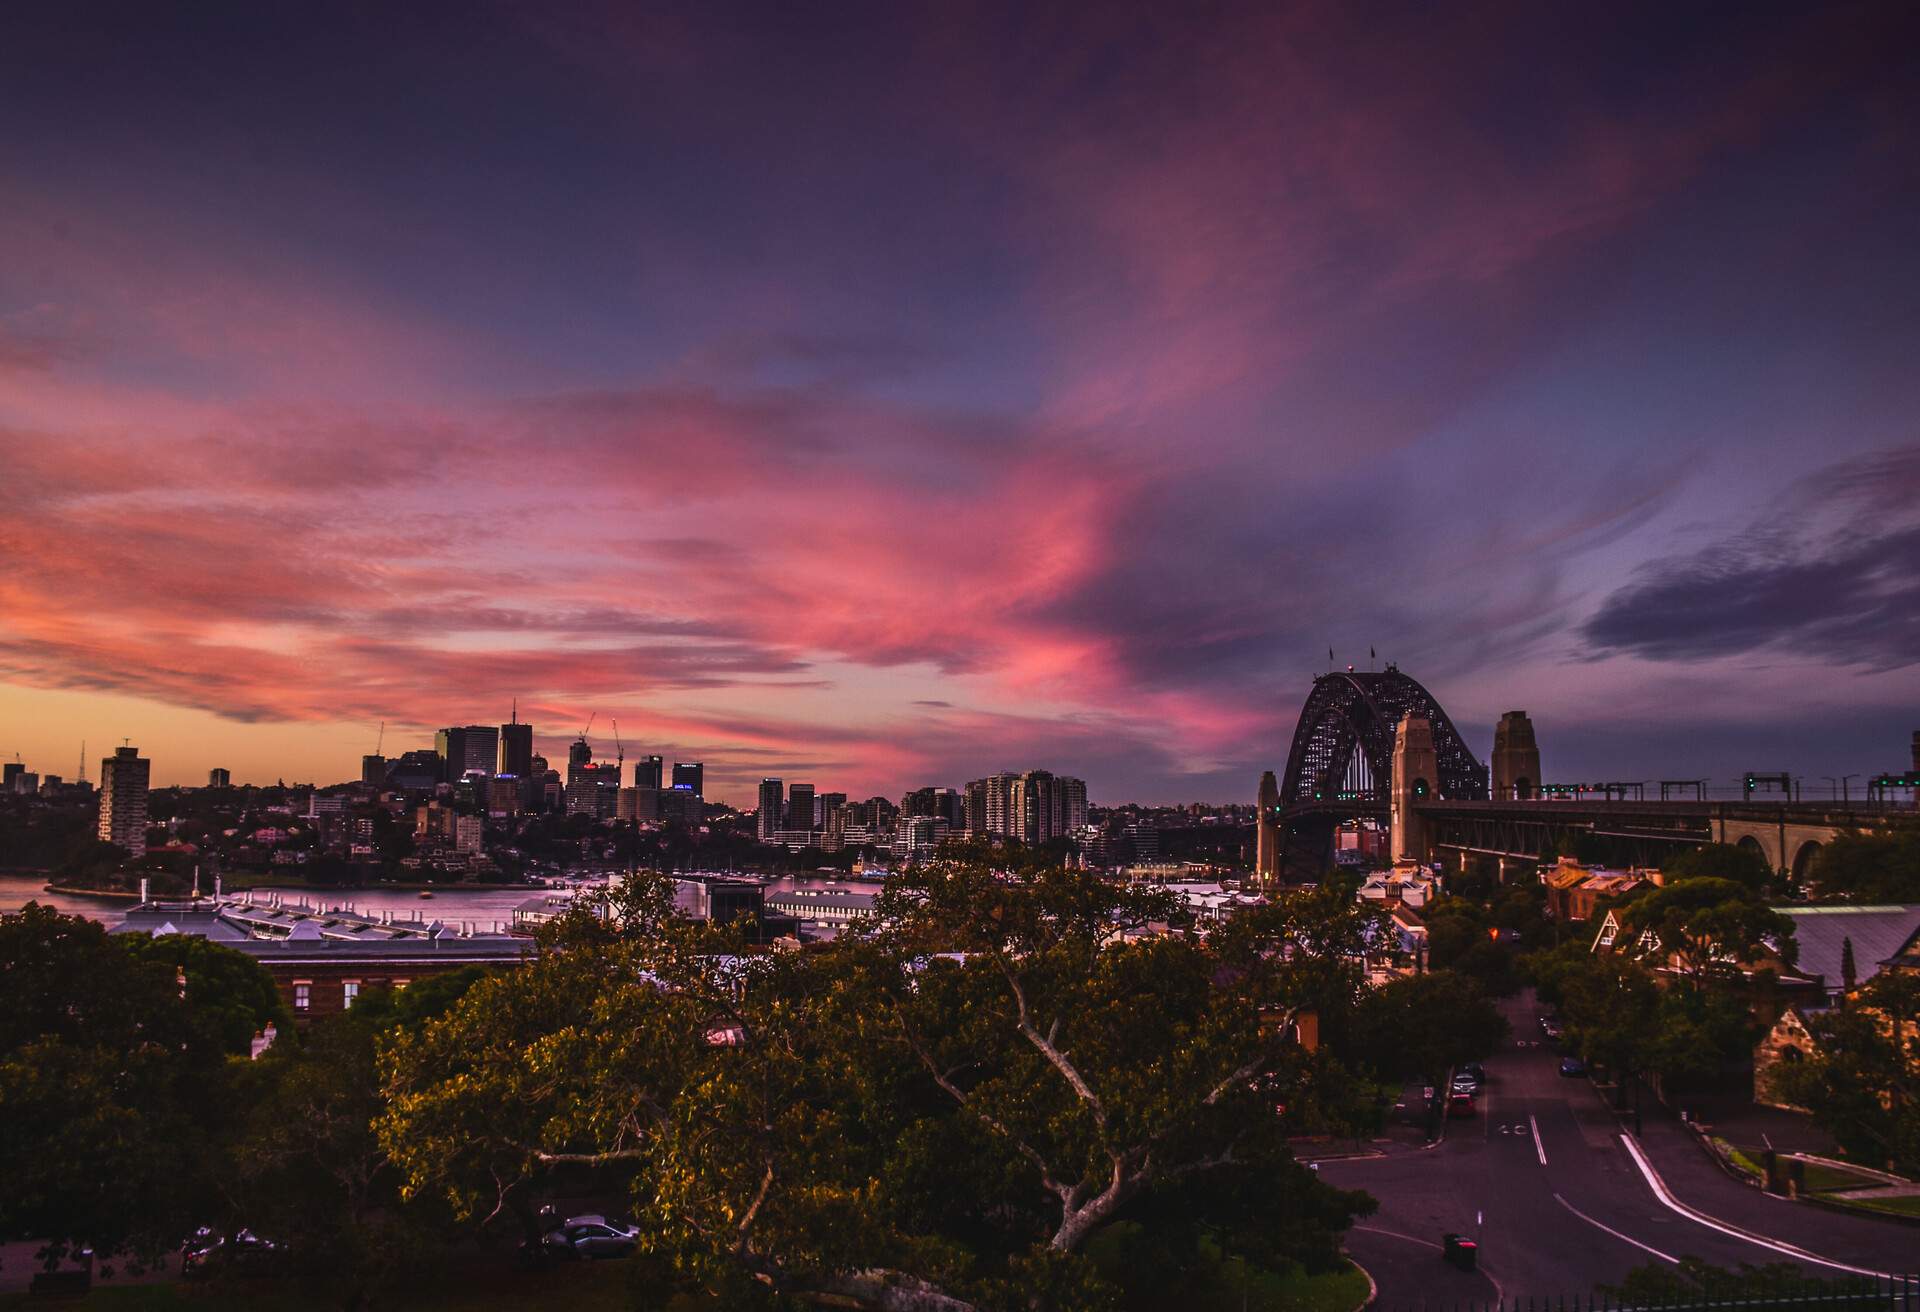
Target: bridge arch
[[1748, 843], [1342, 749], [1803, 859]]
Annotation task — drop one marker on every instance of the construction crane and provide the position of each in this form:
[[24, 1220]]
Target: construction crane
[[589, 729], [381, 741], [619, 752]]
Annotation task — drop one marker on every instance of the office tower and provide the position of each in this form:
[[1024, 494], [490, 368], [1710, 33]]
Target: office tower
[[418, 770], [824, 806], [648, 772], [771, 794], [14, 769], [800, 807], [640, 805], [579, 756], [594, 790], [483, 751], [218, 778], [373, 770], [690, 775], [516, 749], [681, 805], [123, 800], [506, 794], [468, 749]]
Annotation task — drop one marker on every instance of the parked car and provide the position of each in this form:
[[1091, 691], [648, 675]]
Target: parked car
[[1572, 1067], [1460, 1103], [1476, 1070], [207, 1251], [590, 1237], [1464, 1081]]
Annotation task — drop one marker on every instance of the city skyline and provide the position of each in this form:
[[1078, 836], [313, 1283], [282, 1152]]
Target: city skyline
[[885, 400]]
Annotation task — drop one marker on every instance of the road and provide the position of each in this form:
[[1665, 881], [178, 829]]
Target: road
[[1543, 1179]]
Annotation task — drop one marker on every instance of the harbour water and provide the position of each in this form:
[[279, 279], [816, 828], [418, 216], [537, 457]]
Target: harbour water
[[483, 906]]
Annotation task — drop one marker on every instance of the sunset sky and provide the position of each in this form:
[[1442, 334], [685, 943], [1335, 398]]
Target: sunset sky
[[880, 395]]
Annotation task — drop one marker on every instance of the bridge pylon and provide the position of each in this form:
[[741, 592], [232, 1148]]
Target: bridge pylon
[[1416, 765]]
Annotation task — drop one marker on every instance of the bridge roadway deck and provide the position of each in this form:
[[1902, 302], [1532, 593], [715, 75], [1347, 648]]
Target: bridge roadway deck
[[1543, 1180]]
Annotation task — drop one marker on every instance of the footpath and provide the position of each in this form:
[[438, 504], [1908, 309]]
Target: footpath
[[1688, 1170]]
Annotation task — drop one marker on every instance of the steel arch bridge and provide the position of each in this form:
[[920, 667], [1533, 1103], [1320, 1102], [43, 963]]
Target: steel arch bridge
[[1341, 761]]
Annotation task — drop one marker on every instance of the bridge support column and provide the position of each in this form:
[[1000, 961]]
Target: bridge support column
[[1415, 768], [1266, 833]]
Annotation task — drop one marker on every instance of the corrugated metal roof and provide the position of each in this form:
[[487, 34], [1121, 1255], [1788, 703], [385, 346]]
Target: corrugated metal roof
[[1878, 933]]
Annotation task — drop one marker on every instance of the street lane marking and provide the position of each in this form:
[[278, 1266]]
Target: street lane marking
[[1629, 1239], [1537, 1146], [1660, 1191]]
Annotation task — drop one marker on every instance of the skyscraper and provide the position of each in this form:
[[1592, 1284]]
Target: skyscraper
[[690, 775], [373, 770], [772, 794], [469, 749], [218, 778], [647, 772], [516, 748], [123, 800], [579, 757], [800, 807]]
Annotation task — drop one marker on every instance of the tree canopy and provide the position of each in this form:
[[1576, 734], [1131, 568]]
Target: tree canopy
[[1862, 1078], [938, 1111], [1883, 867], [1708, 927], [113, 1053]]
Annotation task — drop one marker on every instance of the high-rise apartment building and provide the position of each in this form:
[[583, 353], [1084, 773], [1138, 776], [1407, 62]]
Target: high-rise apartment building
[[648, 772], [123, 799], [1073, 803], [772, 803], [800, 807], [1001, 817], [690, 775], [373, 770], [1034, 807], [218, 778], [8, 773]]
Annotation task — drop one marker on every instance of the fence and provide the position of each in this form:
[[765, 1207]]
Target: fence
[[1753, 1294]]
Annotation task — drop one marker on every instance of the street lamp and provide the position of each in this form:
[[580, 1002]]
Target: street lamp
[[1843, 786]]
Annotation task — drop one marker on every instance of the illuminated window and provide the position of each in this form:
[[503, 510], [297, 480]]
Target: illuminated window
[[302, 995], [348, 992], [400, 984]]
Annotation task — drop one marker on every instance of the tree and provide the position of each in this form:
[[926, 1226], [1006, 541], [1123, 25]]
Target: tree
[[939, 1111], [1609, 1003], [227, 989], [107, 1074], [1883, 867], [1861, 1081], [1743, 865], [1426, 1025], [308, 1166], [1708, 927]]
